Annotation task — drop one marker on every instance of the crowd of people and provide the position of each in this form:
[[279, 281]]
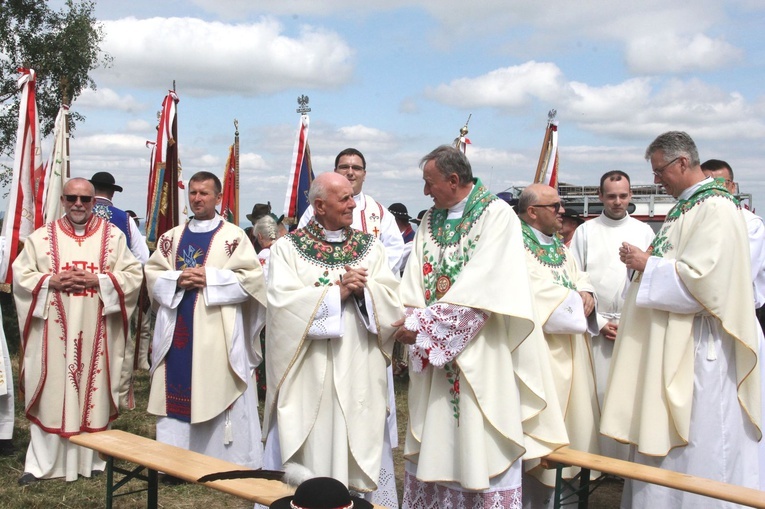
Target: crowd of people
[[521, 329]]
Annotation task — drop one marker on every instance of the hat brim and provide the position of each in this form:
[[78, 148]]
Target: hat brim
[[106, 184], [284, 503]]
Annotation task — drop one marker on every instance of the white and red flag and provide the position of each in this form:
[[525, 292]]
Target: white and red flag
[[229, 205], [24, 213], [301, 176], [547, 167], [56, 169], [165, 185]]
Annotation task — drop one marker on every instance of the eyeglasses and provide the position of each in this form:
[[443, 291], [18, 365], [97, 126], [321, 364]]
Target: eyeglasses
[[659, 171], [555, 206], [346, 167], [72, 198]]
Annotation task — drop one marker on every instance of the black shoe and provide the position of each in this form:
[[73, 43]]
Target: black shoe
[[27, 478], [96, 473]]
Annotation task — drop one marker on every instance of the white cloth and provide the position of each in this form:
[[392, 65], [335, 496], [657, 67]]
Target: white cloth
[[6, 388], [595, 247], [756, 229]]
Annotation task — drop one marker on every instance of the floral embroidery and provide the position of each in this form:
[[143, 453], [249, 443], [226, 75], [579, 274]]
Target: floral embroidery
[[323, 280], [77, 366], [165, 245], [552, 255], [313, 246], [453, 377], [231, 246], [714, 188], [449, 231]]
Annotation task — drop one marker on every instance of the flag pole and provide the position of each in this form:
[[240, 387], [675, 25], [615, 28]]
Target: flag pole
[[236, 172], [461, 142]]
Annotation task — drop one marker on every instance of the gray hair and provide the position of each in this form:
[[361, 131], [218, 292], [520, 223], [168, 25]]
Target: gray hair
[[317, 191], [450, 160], [674, 144], [527, 198], [265, 227]]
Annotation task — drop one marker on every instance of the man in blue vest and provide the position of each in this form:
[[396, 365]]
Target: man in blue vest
[[105, 186]]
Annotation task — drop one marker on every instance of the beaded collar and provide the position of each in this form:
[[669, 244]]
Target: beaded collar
[[552, 255], [313, 245], [449, 231]]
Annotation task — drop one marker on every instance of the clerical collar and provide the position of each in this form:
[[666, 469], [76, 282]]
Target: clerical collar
[[609, 221], [204, 225], [456, 211], [79, 229], [543, 239], [689, 192], [360, 200], [334, 236], [318, 231]]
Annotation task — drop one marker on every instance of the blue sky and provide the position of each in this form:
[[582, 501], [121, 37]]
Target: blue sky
[[395, 79]]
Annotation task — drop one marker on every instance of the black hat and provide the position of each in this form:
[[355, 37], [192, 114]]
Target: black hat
[[419, 217], [259, 210], [321, 493], [104, 179], [399, 211]]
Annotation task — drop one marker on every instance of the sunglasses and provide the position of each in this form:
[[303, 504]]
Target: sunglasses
[[72, 198], [555, 206]]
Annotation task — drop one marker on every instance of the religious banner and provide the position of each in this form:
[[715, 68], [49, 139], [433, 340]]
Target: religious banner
[[301, 171], [229, 207], [23, 214], [547, 167], [56, 169], [164, 197]]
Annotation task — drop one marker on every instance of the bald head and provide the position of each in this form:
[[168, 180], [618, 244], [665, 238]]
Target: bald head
[[537, 207], [331, 195], [77, 200]]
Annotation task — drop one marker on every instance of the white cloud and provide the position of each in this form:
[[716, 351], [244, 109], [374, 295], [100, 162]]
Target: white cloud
[[506, 88], [209, 58], [673, 53], [107, 99]]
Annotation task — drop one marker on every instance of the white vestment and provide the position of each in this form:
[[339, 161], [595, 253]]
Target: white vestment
[[326, 359], [228, 316], [684, 386], [7, 408], [595, 247]]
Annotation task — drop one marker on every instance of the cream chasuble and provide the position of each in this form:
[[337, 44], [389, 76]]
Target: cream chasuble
[[683, 387], [226, 346], [326, 369], [481, 392], [555, 282]]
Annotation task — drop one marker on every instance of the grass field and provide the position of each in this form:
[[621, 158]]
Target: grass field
[[90, 493]]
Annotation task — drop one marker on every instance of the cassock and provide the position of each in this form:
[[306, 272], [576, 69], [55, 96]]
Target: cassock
[[481, 392], [556, 282], [684, 387], [326, 359], [74, 344], [206, 346], [595, 247]]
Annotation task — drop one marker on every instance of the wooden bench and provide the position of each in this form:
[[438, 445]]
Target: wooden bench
[[186, 465], [630, 470]]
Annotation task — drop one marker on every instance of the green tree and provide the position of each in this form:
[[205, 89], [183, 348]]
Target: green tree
[[62, 46]]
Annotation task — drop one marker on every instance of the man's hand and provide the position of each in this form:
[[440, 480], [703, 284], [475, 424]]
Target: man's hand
[[402, 334], [633, 257], [193, 278], [588, 301], [353, 282], [609, 331], [73, 281]]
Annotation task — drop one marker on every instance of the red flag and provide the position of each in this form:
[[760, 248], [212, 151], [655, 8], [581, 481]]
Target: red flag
[[163, 199], [24, 213], [547, 167], [229, 207], [301, 176]]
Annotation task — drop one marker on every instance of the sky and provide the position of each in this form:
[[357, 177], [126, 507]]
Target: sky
[[395, 79]]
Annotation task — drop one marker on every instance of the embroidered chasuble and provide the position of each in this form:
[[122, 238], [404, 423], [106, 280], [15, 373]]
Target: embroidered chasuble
[[481, 392], [651, 387], [206, 343], [326, 359], [555, 278], [74, 344]]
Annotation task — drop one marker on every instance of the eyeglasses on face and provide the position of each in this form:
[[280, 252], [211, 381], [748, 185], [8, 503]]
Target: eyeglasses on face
[[346, 167], [72, 198], [555, 206], [658, 171]]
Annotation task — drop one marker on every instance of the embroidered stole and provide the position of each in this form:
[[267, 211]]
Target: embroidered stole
[[192, 252]]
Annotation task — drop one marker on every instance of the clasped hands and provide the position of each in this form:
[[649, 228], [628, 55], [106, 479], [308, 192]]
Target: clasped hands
[[73, 281], [352, 282], [193, 278]]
